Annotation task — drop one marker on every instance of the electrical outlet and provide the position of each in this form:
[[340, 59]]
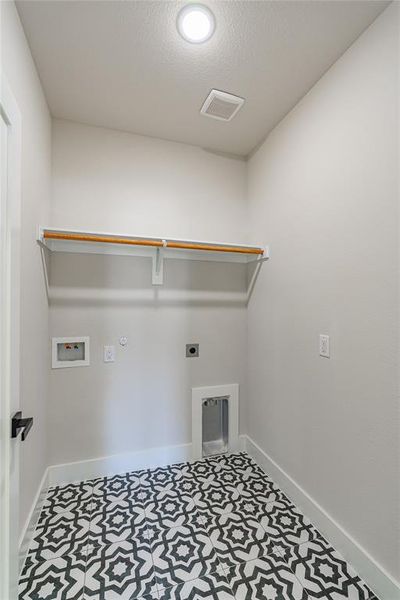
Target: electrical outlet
[[324, 349], [192, 350], [109, 354]]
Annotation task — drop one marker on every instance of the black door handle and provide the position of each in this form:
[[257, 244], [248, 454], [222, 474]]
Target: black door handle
[[18, 423]]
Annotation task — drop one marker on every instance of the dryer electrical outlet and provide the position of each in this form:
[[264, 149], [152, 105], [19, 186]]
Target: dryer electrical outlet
[[192, 350]]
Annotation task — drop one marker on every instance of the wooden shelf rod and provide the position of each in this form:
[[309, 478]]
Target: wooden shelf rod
[[83, 237]]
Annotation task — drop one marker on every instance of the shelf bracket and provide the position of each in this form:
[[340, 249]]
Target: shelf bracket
[[157, 274]]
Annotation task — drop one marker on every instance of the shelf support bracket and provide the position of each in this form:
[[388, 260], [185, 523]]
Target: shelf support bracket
[[157, 274]]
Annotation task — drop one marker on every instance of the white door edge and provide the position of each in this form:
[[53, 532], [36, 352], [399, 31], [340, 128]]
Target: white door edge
[[10, 206]]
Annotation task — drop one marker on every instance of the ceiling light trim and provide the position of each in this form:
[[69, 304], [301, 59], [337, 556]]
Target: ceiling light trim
[[192, 22]]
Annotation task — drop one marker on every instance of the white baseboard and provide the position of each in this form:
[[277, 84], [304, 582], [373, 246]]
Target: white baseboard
[[378, 579], [106, 466], [122, 463], [33, 516]]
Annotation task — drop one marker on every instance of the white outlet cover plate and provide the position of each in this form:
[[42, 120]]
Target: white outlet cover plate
[[109, 353], [324, 346]]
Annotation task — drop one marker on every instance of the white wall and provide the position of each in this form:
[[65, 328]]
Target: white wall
[[19, 69], [324, 191], [113, 181], [109, 180]]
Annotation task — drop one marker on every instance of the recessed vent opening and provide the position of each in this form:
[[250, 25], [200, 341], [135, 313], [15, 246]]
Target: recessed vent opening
[[215, 423], [221, 105]]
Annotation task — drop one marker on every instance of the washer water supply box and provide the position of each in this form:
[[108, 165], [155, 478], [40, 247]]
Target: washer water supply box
[[70, 352]]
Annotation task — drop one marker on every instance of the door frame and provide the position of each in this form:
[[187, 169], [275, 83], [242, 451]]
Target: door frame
[[10, 267]]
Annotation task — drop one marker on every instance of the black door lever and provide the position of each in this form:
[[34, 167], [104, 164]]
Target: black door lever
[[18, 423]]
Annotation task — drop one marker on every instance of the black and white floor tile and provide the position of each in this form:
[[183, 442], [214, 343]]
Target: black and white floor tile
[[216, 529], [237, 539], [266, 578], [58, 535], [325, 574], [113, 522], [261, 490], [284, 523], [217, 499], [213, 587], [171, 510], [60, 578], [72, 497], [117, 489], [182, 554], [123, 570]]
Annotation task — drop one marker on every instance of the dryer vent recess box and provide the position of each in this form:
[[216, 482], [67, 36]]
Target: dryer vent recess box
[[69, 352]]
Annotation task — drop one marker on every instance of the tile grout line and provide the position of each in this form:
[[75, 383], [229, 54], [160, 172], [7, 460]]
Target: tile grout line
[[87, 545]]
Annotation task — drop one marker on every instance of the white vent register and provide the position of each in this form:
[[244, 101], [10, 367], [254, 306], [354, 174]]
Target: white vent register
[[221, 105]]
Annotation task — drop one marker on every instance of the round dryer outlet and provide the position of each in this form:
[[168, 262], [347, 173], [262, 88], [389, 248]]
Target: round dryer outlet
[[192, 350]]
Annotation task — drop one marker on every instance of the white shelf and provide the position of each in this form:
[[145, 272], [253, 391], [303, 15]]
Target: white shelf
[[82, 242]]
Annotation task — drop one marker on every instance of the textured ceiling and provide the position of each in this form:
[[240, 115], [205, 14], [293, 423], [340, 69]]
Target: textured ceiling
[[122, 64]]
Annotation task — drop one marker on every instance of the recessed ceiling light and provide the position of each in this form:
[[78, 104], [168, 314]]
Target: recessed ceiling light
[[196, 23]]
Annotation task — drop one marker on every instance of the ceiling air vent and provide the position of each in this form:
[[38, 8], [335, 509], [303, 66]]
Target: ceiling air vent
[[222, 106]]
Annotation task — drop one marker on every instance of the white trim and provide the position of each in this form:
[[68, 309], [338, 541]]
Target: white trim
[[201, 393], [121, 463], [379, 580], [28, 529], [118, 463], [10, 342]]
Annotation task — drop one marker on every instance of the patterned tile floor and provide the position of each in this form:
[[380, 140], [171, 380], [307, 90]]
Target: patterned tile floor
[[218, 529]]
